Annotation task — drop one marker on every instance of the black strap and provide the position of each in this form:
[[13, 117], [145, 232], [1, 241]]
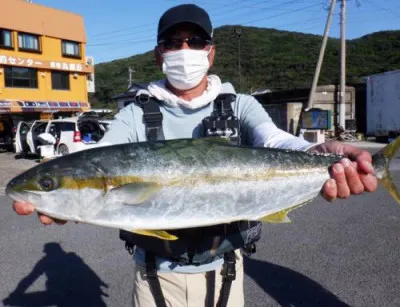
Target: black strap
[[210, 288], [223, 105], [154, 282], [222, 121], [228, 275], [152, 117], [153, 120]]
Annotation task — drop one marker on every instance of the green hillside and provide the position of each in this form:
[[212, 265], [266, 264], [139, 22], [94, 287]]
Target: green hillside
[[270, 58]]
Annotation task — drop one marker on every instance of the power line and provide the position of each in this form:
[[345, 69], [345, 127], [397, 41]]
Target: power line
[[124, 42], [257, 9], [138, 41], [278, 15], [225, 14], [385, 9], [150, 24]]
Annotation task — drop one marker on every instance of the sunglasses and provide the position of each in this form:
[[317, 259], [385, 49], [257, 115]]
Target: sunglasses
[[195, 42]]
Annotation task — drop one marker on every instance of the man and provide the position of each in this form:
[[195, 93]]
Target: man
[[185, 52]]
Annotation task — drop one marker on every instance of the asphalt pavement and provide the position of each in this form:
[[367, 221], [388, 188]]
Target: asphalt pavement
[[343, 253]]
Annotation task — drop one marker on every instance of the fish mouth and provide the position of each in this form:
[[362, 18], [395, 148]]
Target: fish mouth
[[17, 196], [14, 191]]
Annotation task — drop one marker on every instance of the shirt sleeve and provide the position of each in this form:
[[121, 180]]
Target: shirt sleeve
[[122, 129], [261, 131]]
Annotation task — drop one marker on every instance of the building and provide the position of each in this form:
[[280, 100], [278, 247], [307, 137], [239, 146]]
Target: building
[[44, 70], [325, 98], [126, 98]]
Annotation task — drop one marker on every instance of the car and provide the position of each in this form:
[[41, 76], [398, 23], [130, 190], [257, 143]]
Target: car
[[7, 132], [70, 134], [75, 134], [27, 136]]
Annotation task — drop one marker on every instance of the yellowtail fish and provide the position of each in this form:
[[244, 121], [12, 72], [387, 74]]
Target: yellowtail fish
[[149, 188]]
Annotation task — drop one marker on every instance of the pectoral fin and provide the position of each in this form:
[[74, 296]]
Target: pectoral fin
[[133, 193], [160, 234], [278, 217], [281, 216]]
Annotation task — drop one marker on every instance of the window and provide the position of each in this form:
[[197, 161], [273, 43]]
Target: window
[[71, 49], [5, 39], [56, 128], [68, 126], [39, 128], [28, 42], [20, 77], [60, 80]]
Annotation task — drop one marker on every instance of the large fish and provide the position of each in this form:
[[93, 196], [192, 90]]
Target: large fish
[[149, 188]]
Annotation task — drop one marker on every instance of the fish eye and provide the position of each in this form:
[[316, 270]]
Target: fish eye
[[47, 183]]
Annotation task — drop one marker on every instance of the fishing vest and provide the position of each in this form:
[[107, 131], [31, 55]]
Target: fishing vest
[[196, 246]]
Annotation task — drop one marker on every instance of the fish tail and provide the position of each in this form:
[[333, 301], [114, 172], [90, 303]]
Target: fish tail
[[381, 161]]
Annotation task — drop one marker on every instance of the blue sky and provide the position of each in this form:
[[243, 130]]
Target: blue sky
[[122, 28]]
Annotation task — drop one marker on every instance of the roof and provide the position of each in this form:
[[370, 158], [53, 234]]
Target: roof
[[37, 19], [131, 91], [260, 92], [392, 72]]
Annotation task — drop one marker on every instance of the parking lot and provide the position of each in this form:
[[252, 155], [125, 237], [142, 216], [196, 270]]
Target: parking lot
[[333, 254]]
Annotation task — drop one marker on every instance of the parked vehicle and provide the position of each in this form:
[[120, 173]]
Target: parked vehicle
[[7, 132], [75, 134], [71, 134], [26, 138], [383, 105]]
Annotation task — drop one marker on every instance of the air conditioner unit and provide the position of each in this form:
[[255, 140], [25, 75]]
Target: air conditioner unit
[[314, 136], [89, 60]]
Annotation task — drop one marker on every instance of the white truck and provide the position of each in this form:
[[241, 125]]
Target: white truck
[[383, 105]]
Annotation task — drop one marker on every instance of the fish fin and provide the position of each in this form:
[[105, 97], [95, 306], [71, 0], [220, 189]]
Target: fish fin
[[160, 234], [281, 216], [389, 185], [278, 217], [387, 153], [134, 193]]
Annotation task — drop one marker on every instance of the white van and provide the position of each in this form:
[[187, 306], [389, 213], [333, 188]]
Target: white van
[[71, 134]]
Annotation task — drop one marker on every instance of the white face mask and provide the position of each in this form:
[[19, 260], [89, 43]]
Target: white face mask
[[185, 68]]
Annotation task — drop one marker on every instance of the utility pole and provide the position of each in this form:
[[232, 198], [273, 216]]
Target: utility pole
[[130, 71], [238, 34], [342, 97], [321, 56]]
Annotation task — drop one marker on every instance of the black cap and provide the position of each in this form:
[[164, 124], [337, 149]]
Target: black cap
[[189, 13]]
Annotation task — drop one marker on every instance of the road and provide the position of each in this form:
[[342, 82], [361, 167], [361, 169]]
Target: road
[[344, 253]]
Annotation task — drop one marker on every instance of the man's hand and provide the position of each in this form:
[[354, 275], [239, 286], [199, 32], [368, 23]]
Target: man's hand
[[23, 208], [353, 175]]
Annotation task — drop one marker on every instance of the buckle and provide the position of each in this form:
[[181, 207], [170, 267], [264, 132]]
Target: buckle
[[142, 98], [230, 271], [249, 249], [155, 117], [151, 273]]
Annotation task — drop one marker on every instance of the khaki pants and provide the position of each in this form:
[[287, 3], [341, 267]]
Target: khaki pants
[[186, 290]]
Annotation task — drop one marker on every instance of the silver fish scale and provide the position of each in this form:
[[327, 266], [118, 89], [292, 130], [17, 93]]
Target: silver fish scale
[[201, 183], [189, 156]]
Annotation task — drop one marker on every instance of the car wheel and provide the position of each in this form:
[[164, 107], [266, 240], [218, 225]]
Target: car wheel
[[63, 150]]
